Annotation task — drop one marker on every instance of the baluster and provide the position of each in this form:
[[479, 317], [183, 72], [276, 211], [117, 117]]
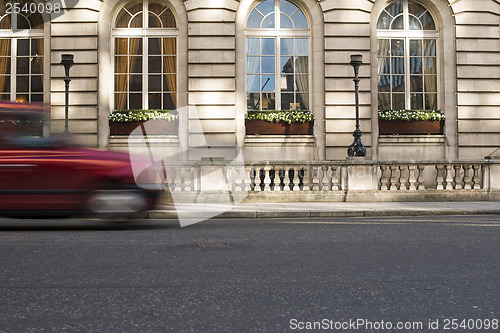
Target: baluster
[[476, 179], [187, 179], [300, 182], [177, 179], [393, 180], [267, 178], [439, 177], [335, 178], [413, 179], [314, 186], [307, 181], [402, 177], [288, 180], [325, 180], [384, 177], [420, 179], [449, 178], [458, 178], [467, 177], [182, 179], [251, 178]]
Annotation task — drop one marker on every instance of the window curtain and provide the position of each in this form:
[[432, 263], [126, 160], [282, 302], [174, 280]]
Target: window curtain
[[302, 81], [4, 61], [121, 68], [169, 64]]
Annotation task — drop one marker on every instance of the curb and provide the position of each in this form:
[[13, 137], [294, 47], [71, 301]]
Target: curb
[[171, 214]]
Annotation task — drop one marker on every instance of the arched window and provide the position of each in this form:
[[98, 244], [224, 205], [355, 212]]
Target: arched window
[[145, 57], [277, 57], [407, 59], [21, 55]]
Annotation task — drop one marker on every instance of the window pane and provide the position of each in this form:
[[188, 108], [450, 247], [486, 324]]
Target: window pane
[[253, 64], [253, 101], [5, 23], [397, 47], [428, 22], [154, 101], [268, 64], [416, 65], [395, 9], [288, 7], [415, 24], [299, 20], [267, 46], [383, 47], [398, 23], [384, 21], [431, 102], [169, 101], [286, 46], [135, 83], [23, 47], [398, 65], [121, 83], [285, 22], [301, 46], [169, 46], [154, 82], [154, 46], [37, 83], [430, 47], [384, 83], [135, 65], [416, 83], [287, 83], [302, 101], [398, 101], [430, 82], [154, 21], [22, 98], [4, 97], [384, 66], [22, 22], [415, 47], [287, 102], [36, 46], [254, 19], [253, 83], [384, 101], [266, 7], [22, 83], [268, 101], [286, 65], [417, 101], [253, 47], [430, 66], [154, 65], [37, 98], [268, 83], [170, 65], [302, 82], [136, 22], [301, 64], [23, 65], [268, 22], [4, 83], [121, 64], [170, 82], [122, 19], [121, 46], [4, 47], [135, 101], [415, 9], [121, 102], [135, 46], [398, 83]]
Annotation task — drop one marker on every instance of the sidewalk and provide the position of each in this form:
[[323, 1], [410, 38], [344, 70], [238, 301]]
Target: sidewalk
[[323, 209]]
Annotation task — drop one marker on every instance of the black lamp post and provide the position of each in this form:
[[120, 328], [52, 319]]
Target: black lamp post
[[67, 62], [357, 148]]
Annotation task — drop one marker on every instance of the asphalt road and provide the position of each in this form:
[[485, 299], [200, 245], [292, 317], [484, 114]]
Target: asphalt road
[[251, 276]]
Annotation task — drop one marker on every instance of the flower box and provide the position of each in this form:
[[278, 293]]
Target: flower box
[[263, 127], [391, 127], [153, 127]]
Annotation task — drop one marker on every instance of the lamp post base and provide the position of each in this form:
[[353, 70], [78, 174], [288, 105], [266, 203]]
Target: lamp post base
[[357, 148]]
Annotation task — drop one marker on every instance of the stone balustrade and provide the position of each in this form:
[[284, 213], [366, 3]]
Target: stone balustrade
[[342, 180]]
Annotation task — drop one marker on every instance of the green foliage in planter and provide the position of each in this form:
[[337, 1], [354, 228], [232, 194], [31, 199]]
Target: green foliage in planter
[[411, 115], [126, 116], [287, 116]]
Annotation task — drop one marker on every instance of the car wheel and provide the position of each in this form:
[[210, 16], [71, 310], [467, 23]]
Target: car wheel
[[117, 204]]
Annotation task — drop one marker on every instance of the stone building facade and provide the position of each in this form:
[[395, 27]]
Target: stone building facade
[[215, 59]]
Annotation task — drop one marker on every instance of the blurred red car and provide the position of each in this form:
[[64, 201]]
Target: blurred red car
[[41, 175]]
